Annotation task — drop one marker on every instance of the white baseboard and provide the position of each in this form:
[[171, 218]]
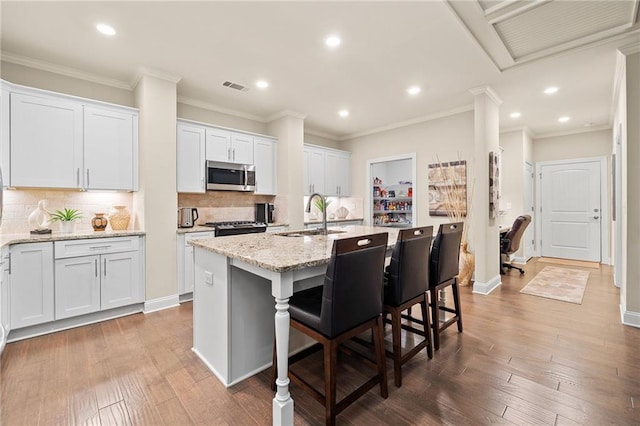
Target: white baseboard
[[630, 318], [488, 287], [519, 260], [161, 303]]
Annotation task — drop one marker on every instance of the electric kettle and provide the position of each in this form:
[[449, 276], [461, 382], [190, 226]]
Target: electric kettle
[[187, 217]]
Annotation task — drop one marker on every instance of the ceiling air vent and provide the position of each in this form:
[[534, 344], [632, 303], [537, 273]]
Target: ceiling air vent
[[235, 86]]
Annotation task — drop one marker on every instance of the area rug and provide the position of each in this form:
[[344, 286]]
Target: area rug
[[562, 284], [569, 262]]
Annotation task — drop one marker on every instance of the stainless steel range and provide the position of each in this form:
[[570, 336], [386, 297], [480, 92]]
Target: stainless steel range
[[235, 228]]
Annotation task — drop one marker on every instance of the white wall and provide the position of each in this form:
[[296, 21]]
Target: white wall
[[448, 139], [208, 116], [512, 189], [580, 145], [319, 140]]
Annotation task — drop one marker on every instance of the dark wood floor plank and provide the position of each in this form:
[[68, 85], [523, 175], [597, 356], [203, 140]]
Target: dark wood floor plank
[[521, 360]]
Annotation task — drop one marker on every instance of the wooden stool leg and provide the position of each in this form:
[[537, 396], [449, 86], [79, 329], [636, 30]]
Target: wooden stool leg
[[456, 301], [330, 361], [382, 364], [396, 330], [427, 326], [435, 317]]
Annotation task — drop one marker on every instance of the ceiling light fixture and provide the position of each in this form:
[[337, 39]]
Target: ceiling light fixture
[[550, 90], [332, 41], [262, 84], [343, 113], [414, 90], [515, 115], [106, 29], [564, 119]]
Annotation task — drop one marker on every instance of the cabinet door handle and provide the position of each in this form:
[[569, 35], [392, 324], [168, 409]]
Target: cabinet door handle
[[9, 260], [96, 266], [234, 154], [105, 266], [229, 153], [78, 177], [88, 178]]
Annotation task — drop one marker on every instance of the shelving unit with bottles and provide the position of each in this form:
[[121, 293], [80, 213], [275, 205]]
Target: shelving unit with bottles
[[392, 204]]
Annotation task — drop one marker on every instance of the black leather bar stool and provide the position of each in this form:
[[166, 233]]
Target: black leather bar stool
[[444, 270], [407, 284], [349, 303]]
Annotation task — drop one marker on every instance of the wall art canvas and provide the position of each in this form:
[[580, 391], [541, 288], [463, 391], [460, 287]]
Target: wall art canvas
[[494, 184], [448, 188]]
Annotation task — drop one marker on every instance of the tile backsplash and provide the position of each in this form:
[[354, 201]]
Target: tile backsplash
[[18, 205], [221, 206]]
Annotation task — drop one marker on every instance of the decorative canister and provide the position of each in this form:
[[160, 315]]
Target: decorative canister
[[119, 218], [99, 222]]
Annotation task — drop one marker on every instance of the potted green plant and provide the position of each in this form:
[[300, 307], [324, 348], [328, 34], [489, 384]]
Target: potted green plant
[[67, 218]]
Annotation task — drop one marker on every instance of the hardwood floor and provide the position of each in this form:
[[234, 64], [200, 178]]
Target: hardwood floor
[[521, 360]]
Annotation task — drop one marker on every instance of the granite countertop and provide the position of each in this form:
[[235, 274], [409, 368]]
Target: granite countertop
[[25, 237], [319, 221], [279, 253], [201, 228]]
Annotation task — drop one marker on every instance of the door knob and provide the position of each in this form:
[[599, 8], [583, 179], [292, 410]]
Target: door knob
[[596, 217]]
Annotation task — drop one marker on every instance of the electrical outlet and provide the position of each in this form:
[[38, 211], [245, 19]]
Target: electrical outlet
[[208, 278]]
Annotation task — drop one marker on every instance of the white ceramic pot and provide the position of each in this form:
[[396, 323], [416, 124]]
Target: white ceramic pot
[[68, 226]]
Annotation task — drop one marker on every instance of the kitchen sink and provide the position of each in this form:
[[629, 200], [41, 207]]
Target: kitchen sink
[[308, 232]]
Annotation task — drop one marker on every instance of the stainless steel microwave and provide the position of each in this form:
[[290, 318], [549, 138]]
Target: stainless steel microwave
[[231, 176]]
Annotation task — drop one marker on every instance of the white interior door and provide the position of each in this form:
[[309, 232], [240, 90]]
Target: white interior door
[[528, 242], [570, 210]]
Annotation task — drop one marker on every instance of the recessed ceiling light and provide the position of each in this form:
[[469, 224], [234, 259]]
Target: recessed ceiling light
[[332, 41], [343, 113], [564, 119], [106, 29], [550, 90], [414, 90], [262, 84], [515, 115]]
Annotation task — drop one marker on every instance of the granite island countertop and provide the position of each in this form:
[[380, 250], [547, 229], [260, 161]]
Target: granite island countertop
[[25, 237], [280, 253]]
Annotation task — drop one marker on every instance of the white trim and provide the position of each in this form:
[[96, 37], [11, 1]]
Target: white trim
[[410, 122], [488, 287], [320, 134], [217, 108], [161, 303], [155, 73], [368, 199], [486, 90], [286, 113], [202, 358], [575, 131], [630, 49], [629, 317], [605, 222], [62, 70]]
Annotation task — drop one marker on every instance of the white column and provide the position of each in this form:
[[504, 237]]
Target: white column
[[282, 407], [156, 202], [483, 232], [288, 127]]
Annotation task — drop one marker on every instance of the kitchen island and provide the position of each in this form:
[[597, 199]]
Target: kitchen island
[[236, 280]]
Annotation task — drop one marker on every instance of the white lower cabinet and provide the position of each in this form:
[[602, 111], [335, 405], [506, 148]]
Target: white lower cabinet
[[185, 259], [77, 286], [120, 284], [31, 284], [4, 291]]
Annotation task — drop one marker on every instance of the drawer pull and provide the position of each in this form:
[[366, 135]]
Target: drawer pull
[[96, 265], [100, 247]]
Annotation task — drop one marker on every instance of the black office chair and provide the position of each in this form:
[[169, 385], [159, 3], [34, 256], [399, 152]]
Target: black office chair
[[443, 273], [407, 283], [349, 303], [510, 242]]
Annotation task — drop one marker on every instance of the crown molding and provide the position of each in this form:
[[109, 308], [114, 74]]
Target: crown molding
[[487, 90], [523, 129], [321, 134], [156, 73], [286, 113], [62, 70], [630, 49], [410, 122], [217, 108], [574, 131]]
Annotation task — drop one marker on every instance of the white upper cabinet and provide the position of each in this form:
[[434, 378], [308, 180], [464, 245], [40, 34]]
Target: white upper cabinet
[[336, 173], [229, 147], [109, 149], [241, 148], [265, 156], [46, 142], [190, 157], [326, 171], [60, 141], [314, 170], [218, 145]]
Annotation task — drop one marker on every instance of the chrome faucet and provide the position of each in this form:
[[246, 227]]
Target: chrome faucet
[[324, 210]]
